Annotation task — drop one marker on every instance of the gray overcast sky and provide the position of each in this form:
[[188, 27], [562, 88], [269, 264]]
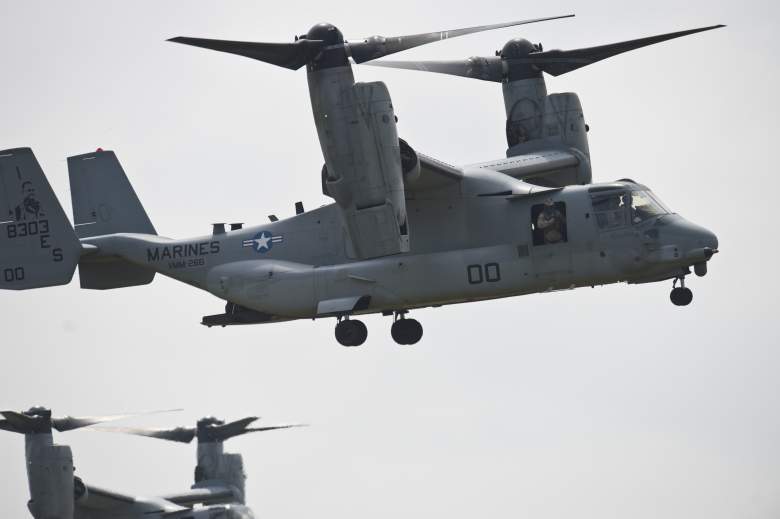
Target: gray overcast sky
[[594, 403]]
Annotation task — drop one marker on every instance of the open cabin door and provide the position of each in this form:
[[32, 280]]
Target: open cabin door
[[550, 249]]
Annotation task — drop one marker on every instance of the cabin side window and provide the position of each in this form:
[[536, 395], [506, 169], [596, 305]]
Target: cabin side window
[[610, 210], [548, 223]]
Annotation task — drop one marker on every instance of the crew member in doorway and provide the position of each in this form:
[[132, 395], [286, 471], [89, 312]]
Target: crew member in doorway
[[550, 221]]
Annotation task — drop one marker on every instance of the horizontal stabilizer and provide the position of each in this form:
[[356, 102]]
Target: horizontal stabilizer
[[38, 247]]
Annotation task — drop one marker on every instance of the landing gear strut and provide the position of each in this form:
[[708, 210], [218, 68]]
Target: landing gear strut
[[681, 296], [406, 331], [351, 332]]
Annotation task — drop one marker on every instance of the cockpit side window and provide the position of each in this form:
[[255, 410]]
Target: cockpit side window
[[548, 223], [644, 205], [610, 210]]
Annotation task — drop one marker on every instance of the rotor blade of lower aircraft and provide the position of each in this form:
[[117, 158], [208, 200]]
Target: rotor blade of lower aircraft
[[274, 427], [288, 55], [5, 425], [68, 423], [179, 434], [18, 420], [378, 46], [486, 69], [231, 429], [557, 62]]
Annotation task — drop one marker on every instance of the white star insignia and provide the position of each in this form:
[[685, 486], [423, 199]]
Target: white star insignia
[[261, 242]]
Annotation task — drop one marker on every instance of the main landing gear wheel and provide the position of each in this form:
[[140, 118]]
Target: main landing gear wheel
[[351, 332], [406, 331], [681, 296]]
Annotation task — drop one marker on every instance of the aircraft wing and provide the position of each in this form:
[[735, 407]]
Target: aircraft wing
[[546, 168], [100, 503], [549, 168], [204, 496]]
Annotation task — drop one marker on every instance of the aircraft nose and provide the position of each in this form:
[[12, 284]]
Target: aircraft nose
[[709, 239], [695, 242], [700, 237]]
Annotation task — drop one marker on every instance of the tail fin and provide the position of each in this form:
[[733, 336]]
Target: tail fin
[[104, 202], [38, 247]]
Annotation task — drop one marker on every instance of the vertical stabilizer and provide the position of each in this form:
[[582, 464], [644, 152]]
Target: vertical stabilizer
[[38, 247], [104, 202]]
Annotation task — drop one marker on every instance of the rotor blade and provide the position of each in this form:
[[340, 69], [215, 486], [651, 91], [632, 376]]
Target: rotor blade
[[486, 69], [287, 55], [275, 427], [179, 434], [229, 430], [68, 423], [20, 422], [5, 425], [378, 46], [557, 62]]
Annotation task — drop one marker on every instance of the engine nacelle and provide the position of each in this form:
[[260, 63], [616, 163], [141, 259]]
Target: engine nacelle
[[51, 481], [410, 167], [216, 465], [364, 174], [535, 120]]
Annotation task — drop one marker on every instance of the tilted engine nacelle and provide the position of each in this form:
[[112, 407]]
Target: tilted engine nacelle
[[410, 167], [50, 476], [364, 174], [537, 121], [216, 465]]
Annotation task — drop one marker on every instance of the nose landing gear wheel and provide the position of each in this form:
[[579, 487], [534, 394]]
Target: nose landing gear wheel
[[406, 331], [351, 332], [681, 296]]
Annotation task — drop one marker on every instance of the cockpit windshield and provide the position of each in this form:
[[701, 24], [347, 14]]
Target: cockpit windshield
[[644, 205], [615, 209]]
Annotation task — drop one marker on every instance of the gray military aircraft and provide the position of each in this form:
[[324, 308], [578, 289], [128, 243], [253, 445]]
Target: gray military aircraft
[[406, 231], [56, 493]]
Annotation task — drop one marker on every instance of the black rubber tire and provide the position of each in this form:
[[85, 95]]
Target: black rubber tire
[[681, 296], [406, 331], [361, 332], [351, 332]]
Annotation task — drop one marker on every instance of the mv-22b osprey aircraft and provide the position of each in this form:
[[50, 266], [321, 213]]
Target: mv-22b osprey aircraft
[[56, 493], [406, 231]]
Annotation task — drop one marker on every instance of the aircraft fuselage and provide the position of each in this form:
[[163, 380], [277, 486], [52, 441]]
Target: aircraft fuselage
[[462, 249]]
